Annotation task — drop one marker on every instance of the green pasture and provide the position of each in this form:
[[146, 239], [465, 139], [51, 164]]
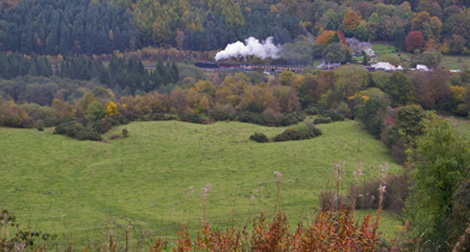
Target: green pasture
[[455, 62], [462, 125], [383, 48], [144, 179]]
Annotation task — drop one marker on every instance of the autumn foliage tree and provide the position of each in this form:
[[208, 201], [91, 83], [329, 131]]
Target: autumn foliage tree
[[414, 41], [111, 108], [350, 22], [326, 38], [12, 115]]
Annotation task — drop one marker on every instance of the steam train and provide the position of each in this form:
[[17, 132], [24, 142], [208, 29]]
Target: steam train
[[248, 67]]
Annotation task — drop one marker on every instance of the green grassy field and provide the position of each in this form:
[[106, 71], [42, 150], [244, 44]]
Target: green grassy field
[[145, 178], [462, 125], [386, 51], [383, 48], [455, 62]]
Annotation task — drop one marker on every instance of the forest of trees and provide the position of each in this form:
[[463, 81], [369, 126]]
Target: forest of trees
[[69, 27], [123, 76], [66, 27]]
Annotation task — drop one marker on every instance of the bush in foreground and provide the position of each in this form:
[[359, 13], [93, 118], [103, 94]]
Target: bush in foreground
[[77, 131], [302, 132], [322, 119], [259, 137]]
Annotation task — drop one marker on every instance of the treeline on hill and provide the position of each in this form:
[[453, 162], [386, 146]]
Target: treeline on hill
[[99, 27], [123, 76], [234, 98], [348, 92]]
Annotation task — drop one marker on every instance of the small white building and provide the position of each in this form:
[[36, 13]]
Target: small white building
[[369, 52], [422, 68], [383, 66]]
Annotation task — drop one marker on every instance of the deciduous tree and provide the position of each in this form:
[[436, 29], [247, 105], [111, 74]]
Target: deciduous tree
[[414, 41]]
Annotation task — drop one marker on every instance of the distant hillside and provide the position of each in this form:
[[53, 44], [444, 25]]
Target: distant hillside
[[95, 27]]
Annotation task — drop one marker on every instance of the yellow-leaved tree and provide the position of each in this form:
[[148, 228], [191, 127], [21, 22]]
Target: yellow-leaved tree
[[111, 108]]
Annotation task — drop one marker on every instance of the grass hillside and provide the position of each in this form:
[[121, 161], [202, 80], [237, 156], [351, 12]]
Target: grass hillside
[[455, 62], [145, 178], [462, 125]]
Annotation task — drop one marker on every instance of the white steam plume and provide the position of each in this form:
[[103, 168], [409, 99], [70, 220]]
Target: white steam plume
[[252, 46]]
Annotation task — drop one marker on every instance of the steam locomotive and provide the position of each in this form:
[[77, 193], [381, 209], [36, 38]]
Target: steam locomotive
[[249, 67]]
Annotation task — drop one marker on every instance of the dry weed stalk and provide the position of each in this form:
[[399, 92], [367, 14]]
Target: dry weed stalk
[[338, 173], [278, 191], [188, 196], [354, 188], [205, 192], [382, 186], [67, 238]]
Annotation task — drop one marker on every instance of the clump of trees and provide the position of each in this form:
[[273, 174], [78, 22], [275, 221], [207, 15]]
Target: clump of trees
[[440, 171], [14, 65]]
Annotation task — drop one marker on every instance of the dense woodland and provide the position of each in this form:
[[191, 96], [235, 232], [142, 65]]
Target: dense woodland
[[69, 27]]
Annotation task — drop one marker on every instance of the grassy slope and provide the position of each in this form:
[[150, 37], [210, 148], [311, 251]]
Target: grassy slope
[[462, 125], [455, 62], [146, 177]]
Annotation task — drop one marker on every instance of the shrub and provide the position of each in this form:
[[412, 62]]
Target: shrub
[[191, 117], [227, 112], [125, 133], [288, 135], [40, 123], [77, 131], [155, 117], [108, 122], [311, 111], [321, 119], [102, 126], [248, 117], [269, 119], [259, 137], [395, 196], [305, 131], [61, 121], [40, 128], [330, 201], [169, 117], [291, 118], [334, 115]]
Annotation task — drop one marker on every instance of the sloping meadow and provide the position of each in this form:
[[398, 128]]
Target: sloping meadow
[[143, 180]]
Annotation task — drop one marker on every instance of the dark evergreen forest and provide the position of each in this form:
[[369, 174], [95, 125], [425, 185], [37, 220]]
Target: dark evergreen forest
[[72, 27]]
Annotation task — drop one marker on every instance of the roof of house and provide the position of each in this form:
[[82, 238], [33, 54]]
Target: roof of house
[[352, 41], [422, 67], [383, 65]]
